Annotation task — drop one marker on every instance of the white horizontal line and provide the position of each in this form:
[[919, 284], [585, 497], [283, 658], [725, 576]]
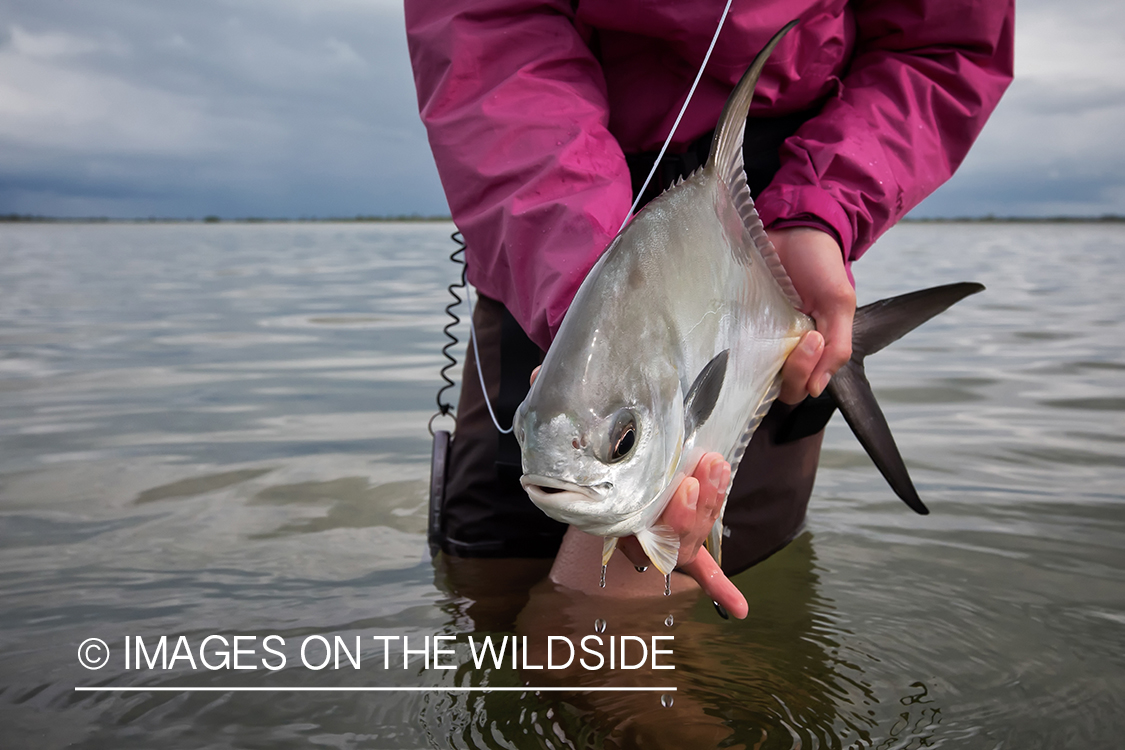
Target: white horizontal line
[[373, 689]]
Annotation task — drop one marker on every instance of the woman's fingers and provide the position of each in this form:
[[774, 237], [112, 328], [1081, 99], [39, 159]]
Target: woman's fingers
[[633, 550], [697, 503], [716, 585], [799, 367], [692, 513], [835, 324], [815, 264], [682, 509]]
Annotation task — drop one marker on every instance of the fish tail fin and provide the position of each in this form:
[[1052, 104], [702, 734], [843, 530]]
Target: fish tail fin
[[886, 321], [877, 325], [726, 146]]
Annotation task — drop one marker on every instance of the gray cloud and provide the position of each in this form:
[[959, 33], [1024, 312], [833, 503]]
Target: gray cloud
[[1054, 145], [287, 108], [248, 108]]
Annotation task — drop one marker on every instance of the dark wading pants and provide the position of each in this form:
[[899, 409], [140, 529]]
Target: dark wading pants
[[486, 513]]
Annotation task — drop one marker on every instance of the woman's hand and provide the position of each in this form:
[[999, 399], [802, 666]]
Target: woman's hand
[[691, 513], [815, 263]]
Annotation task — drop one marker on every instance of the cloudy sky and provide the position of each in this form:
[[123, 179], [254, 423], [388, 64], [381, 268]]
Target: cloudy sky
[[291, 108]]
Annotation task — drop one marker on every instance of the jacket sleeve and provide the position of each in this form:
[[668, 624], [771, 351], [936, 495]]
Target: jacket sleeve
[[923, 80], [515, 107]]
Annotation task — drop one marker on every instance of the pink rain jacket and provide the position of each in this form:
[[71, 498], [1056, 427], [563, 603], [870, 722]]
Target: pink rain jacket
[[530, 107]]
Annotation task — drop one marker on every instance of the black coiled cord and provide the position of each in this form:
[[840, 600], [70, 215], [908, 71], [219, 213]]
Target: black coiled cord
[[457, 256]]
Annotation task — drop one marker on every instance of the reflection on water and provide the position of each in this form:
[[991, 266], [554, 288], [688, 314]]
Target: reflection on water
[[786, 677], [221, 430]]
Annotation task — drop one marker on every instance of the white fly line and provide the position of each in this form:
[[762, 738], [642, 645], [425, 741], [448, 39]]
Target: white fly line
[[632, 209]]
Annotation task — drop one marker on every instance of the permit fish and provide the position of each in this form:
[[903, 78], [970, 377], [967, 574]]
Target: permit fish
[[673, 348]]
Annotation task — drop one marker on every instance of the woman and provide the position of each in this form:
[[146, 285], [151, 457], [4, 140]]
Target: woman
[[537, 111]]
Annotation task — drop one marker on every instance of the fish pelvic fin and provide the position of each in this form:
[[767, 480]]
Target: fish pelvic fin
[[609, 544], [877, 325], [662, 545]]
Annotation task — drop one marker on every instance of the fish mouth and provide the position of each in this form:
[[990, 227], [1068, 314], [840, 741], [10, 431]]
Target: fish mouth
[[548, 491]]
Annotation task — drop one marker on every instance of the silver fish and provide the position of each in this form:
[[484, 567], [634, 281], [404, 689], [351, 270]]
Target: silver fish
[[673, 347]]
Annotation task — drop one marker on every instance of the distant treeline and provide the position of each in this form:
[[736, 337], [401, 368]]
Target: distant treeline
[[34, 219], [990, 219]]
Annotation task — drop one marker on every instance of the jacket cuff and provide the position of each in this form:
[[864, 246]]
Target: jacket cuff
[[809, 221], [806, 205]]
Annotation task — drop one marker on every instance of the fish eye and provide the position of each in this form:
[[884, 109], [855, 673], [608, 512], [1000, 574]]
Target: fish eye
[[623, 436], [624, 444]]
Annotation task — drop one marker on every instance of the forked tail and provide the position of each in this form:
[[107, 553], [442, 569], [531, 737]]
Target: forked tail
[[877, 325]]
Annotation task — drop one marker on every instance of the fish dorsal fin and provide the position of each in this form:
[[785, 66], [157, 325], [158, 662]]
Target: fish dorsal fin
[[726, 146], [726, 161], [740, 195], [704, 393]]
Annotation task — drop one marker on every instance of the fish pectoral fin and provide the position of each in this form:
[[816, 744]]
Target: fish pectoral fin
[[662, 545], [704, 392]]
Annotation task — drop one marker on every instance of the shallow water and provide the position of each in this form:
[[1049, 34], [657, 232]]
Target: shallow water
[[222, 430]]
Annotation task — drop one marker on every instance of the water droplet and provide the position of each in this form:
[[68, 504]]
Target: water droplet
[[668, 585], [599, 625], [669, 621], [666, 700], [602, 584], [641, 568]]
